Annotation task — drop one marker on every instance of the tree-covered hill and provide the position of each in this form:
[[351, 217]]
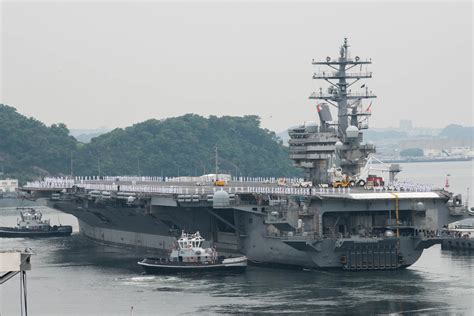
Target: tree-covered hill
[[455, 131], [28, 148], [186, 146], [181, 145]]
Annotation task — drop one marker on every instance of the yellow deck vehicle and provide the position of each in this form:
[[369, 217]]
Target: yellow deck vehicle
[[219, 183]]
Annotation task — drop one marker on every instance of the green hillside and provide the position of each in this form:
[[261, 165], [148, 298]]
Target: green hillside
[[29, 149], [455, 131], [181, 145], [185, 146]]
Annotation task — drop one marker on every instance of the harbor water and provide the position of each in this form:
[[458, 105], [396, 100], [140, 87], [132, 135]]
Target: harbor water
[[75, 276]]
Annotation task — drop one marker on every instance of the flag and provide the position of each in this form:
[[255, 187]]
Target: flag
[[318, 107], [369, 108]]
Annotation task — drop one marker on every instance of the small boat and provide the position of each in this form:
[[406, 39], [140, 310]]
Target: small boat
[[30, 224], [459, 235], [189, 256]]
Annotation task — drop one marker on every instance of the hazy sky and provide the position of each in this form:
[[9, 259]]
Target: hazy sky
[[113, 64]]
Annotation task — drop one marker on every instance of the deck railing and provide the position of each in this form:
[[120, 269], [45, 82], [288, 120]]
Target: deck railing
[[192, 189]]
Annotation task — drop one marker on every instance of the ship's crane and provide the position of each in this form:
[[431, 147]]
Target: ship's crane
[[375, 164], [339, 179]]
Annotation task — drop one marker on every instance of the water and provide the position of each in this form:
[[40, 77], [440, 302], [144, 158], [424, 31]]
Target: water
[[74, 276], [461, 175]]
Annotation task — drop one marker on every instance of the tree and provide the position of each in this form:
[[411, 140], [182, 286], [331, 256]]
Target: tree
[[412, 152], [184, 145]]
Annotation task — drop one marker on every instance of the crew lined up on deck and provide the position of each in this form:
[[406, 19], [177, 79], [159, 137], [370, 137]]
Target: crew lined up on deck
[[168, 179], [85, 183]]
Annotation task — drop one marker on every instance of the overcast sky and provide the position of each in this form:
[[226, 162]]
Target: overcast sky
[[113, 64]]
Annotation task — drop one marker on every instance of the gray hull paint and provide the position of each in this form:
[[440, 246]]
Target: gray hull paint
[[329, 254], [141, 229], [133, 228], [453, 243], [137, 241]]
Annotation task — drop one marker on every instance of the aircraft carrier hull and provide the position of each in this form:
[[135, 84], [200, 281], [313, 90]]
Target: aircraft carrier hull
[[138, 229], [320, 231]]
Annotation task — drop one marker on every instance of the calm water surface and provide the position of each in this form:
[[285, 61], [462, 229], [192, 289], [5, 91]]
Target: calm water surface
[[74, 276]]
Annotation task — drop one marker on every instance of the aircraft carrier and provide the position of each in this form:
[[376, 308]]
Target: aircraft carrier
[[341, 216]]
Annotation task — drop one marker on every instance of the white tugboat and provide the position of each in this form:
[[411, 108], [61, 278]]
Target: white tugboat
[[459, 235], [189, 256], [31, 224]]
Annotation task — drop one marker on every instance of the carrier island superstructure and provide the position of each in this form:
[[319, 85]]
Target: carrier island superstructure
[[361, 226]]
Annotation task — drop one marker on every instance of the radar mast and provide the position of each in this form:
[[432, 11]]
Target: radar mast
[[339, 94], [335, 142]]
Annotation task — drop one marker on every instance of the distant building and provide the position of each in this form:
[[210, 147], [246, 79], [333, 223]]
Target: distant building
[[204, 178], [437, 143], [456, 151], [431, 152], [460, 150], [8, 185], [212, 177], [406, 124]]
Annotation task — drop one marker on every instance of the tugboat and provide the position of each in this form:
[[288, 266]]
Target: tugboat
[[189, 256], [459, 235], [30, 224]]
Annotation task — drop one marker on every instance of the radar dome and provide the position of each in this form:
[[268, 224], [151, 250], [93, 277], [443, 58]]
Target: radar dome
[[420, 206], [221, 199], [352, 132], [311, 127], [339, 145]]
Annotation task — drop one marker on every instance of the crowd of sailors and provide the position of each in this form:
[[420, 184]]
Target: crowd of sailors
[[156, 179], [438, 233], [377, 233], [457, 234], [429, 233], [115, 184]]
